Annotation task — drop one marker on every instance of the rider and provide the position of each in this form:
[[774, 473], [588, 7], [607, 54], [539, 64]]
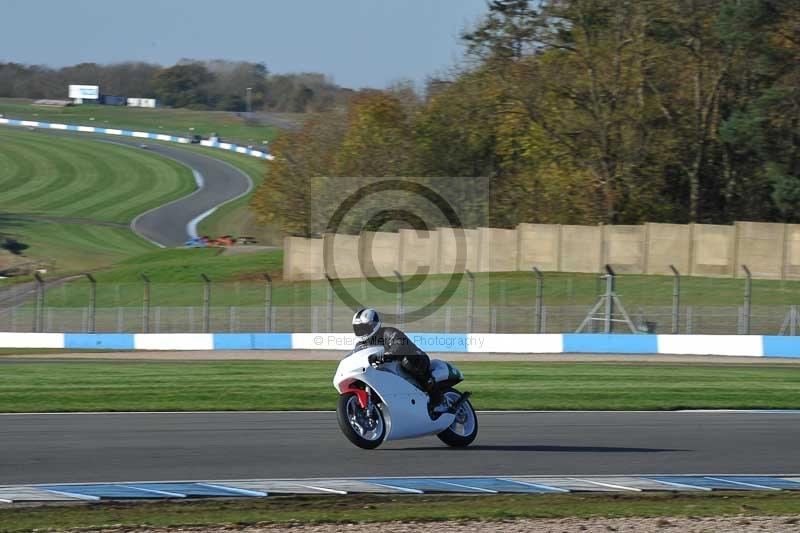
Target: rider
[[396, 347]]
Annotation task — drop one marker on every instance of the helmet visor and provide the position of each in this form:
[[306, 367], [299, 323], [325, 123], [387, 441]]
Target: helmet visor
[[363, 330]]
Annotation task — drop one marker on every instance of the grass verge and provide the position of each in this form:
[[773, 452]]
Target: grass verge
[[77, 177], [242, 385], [232, 127], [491, 289], [332, 509], [68, 247]]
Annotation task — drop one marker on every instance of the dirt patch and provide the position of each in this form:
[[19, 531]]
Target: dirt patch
[[775, 524]]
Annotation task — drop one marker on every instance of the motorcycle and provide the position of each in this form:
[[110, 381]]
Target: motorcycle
[[382, 402]]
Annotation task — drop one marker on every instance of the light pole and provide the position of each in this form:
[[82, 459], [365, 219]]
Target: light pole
[[249, 99]]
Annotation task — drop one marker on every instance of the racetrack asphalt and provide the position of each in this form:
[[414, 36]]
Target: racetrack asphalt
[[168, 224], [50, 448]]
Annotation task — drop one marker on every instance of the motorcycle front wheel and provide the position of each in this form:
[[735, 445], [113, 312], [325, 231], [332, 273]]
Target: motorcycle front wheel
[[365, 430], [464, 428]]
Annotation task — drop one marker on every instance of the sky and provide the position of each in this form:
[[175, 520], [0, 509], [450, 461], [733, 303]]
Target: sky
[[358, 43]]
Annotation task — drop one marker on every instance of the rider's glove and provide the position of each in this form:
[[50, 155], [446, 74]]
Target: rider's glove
[[375, 358]]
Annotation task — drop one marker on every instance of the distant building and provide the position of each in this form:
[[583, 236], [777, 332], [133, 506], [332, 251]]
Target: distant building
[[143, 102], [79, 93], [108, 99]]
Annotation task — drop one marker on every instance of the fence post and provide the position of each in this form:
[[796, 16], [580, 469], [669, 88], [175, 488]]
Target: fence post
[[539, 283], [676, 299], [609, 311], [268, 304], [470, 301], [747, 297], [329, 303], [145, 303], [90, 326], [793, 320], [38, 320], [400, 287], [206, 303]]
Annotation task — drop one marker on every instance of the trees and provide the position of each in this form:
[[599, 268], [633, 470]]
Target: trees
[[183, 85], [216, 84], [605, 111]]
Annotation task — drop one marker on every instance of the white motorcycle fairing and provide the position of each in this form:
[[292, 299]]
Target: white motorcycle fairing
[[404, 406]]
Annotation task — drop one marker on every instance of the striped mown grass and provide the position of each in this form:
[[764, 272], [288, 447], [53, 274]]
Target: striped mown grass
[[61, 176]]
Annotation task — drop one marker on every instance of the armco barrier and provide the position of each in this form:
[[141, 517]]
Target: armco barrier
[[138, 134], [729, 345]]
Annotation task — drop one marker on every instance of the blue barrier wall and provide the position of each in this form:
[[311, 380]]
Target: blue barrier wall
[[732, 345]]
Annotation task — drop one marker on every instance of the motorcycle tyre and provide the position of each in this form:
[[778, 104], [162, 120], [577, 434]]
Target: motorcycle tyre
[[349, 432], [453, 439]]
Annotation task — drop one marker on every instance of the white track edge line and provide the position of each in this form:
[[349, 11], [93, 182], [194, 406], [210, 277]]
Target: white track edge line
[[609, 485]]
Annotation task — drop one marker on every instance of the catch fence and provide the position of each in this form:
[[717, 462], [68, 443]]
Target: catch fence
[[516, 302]]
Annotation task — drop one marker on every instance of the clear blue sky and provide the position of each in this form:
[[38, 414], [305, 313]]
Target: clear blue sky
[[357, 42]]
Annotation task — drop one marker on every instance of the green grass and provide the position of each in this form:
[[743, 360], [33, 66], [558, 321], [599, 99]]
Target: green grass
[[239, 385], [55, 189], [186, 265], [238, 282], [168, 121], [379, 508], [69, 177], [68, 247], [175, 276]]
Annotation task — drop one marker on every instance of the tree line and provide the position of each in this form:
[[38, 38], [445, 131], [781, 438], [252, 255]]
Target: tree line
[[218, 84], [584, 112]]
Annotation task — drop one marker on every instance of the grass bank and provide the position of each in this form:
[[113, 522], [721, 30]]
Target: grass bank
[[68, 201], [273, 385], [355, 508], [59, 176], [496, 289]]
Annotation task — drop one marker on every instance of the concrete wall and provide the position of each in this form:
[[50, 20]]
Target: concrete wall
[[497, 250], [379, 253], [538, 246], [712, 250], [453, 246], [302, 258], [624, 249], [667, 244], [760, 246], [791, 268], [341, 255], [417, 251], [771, 251], [581, 248]]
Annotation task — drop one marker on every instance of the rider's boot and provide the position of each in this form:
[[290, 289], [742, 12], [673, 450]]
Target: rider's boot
[[435, 396]]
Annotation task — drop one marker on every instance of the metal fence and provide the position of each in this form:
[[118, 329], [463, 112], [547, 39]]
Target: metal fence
[[540, 303]]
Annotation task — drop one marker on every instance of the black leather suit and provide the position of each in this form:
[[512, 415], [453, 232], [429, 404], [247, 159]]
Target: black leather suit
[[398, 347]]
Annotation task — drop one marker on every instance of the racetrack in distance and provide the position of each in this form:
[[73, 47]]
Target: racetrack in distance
[[221, 182]]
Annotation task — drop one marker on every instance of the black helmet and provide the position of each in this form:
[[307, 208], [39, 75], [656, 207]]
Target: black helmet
[[366, 322]]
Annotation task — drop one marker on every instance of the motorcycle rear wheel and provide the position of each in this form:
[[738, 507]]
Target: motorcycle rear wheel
[[352, 418], [464, 429]]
